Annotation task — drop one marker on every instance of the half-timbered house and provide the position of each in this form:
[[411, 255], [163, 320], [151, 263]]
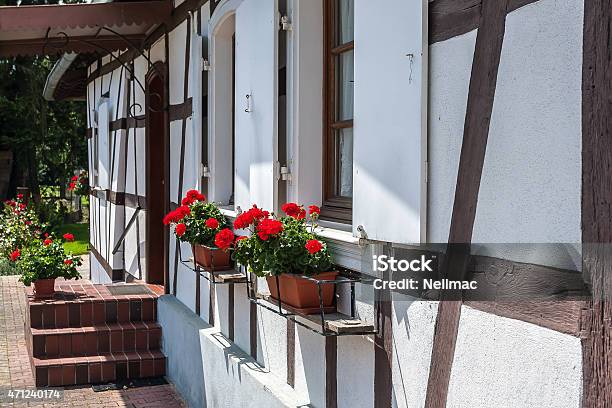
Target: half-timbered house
[[410, 123]]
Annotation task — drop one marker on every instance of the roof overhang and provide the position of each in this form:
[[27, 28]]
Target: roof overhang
[[82, 28]]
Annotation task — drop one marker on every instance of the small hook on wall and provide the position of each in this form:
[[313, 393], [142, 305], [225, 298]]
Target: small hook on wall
[[248, 108], [411, 59]]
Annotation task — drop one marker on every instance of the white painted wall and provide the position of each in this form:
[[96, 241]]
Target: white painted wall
[[450, 66], [413, 329], [501, 362], [531, 182]]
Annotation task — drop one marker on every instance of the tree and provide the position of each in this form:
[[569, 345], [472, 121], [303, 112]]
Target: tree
[[47, 138]]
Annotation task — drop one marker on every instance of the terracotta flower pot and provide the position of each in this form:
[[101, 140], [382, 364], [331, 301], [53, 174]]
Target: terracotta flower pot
[[211, 259], [44, 288], [303, 294]]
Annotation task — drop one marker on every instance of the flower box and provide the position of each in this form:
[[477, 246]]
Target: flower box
[[303, 294], [212, 259], [44, 288]]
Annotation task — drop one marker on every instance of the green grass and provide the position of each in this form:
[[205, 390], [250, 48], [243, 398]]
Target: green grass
[[81, 238]]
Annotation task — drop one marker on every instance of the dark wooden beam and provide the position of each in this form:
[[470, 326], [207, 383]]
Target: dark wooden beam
[[331, 372], [597, 202], [383, 349], [450, 18], [475, 134]]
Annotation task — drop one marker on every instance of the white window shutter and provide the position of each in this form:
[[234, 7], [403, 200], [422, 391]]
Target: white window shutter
[[103, 144], [256, 103], [390, 120]]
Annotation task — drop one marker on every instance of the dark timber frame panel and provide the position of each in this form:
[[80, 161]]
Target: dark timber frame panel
[[596, 202], [475, 134]]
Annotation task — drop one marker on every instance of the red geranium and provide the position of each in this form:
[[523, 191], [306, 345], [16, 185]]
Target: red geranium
[[15, 255], [68, 262], [20, 196], [224, 239], [257, 213], [47, 242], [294, 210], [268, 227], [193, 196], [74, 178], [243, 220], [71, 186], [180, 229], [212, 223], [313, 209], [69, 237], [313, 246]]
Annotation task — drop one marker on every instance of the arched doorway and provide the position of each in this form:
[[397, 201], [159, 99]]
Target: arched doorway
[[157, 175]]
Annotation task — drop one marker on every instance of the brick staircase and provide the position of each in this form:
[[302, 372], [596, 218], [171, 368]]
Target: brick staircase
[[86, 335]]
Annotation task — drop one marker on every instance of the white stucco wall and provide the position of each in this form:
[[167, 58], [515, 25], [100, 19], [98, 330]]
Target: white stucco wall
[[531, 182], [413, 329], [502, 362], [450, 65]]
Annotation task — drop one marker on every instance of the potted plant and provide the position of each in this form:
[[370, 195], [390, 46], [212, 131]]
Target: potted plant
[[284, 250], [79, 184], [202, 224], [42, 262]]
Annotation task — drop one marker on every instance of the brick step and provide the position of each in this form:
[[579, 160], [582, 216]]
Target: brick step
[[95, 340], [91, 312], [99, 369]]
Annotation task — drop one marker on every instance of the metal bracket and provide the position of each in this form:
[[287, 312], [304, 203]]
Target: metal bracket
[[204, 170], [285, 23], [205, 64]]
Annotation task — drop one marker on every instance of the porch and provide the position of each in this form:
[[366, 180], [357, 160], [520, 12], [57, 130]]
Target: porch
[[16, 371]]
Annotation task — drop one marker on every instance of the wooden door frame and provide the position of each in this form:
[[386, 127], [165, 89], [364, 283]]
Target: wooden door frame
[[159, 69]]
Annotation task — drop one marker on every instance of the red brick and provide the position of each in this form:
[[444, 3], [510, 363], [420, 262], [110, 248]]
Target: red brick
[[68, 374], [61, 315], [86, 314], [55, 376], [95, 373], [52, 346], [78, 344], [99, 314]]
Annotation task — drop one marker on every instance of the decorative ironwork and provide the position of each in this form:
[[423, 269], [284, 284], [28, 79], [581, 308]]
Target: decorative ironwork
[[64, 38]]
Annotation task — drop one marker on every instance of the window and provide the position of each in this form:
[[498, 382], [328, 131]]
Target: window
[[338, 111]]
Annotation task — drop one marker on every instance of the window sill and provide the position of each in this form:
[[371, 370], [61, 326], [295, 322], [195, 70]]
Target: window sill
[[345, 249]]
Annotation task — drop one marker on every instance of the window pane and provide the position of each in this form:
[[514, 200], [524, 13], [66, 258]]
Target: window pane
[[345, 21], [344, 75], [344, 160]]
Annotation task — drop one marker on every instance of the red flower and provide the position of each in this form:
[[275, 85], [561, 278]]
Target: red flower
[[67, 261], [68, 237], [72, 186], [169, 218], [313, 209], [267, 227], [22, 206], [243, 220], [182, 212], [212, 223], [193, 196], [20, 196], [74, 178], [313, 246], [240, 238], [293, 210], [224, 238], [258, 214], [47, 242], [180, 229], [15, 255]]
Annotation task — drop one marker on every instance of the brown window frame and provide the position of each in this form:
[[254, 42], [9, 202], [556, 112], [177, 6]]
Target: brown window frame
[[335, 208]]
